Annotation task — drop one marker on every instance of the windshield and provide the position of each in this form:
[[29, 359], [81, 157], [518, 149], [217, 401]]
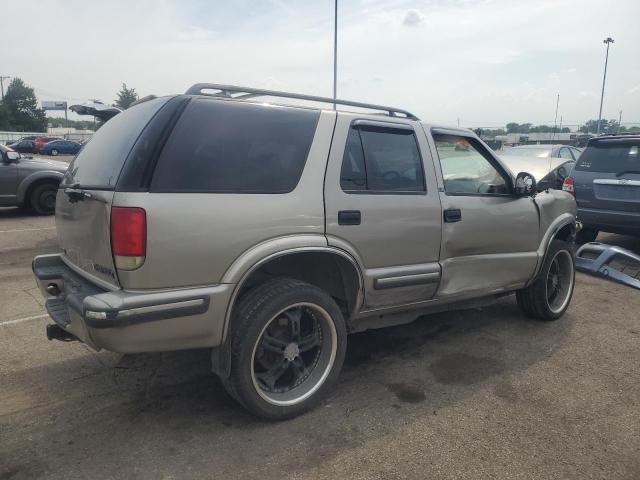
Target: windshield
[[540, 152], [614, 156], [99, 163]]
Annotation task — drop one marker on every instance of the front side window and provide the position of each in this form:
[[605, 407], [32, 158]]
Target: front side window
[[382, 159], [467, 167]]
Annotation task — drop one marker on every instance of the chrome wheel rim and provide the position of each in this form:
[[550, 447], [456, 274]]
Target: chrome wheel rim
[[294, 354], [559, 281]]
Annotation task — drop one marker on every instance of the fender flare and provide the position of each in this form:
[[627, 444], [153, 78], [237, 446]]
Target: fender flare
[[551, 233], [26, 182], [242, 268]]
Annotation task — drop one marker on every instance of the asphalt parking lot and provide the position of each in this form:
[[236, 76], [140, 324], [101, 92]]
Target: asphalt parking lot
[[481, 393]]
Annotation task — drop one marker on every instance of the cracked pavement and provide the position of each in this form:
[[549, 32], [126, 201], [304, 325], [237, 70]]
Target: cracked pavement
[[482, 393]]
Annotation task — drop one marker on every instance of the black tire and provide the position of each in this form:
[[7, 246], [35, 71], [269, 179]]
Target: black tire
[[43, 198], [536, 301], [271, 305], [54, 153], [586, 235]]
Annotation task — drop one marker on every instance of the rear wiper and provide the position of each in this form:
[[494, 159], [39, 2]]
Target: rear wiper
[[77, 194], [623, 172]]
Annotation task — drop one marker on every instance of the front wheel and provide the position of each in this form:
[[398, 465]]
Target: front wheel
[[54, 152], [288, 343], [43, 199], [548, 297]]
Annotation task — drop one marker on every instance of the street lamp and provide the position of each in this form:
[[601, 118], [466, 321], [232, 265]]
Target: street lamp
[[335, 50], [607, 40]]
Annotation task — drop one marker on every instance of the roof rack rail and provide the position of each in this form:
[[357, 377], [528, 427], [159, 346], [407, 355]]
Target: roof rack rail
[[244, 93]]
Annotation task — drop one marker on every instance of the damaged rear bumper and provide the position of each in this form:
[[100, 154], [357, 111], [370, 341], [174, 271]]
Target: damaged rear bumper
[[131, 321]]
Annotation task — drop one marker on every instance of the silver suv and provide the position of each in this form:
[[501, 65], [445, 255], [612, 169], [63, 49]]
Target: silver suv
[[269, 232]]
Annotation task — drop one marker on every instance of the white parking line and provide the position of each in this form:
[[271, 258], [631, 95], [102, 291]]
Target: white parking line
[[27, 230], [25, 319]]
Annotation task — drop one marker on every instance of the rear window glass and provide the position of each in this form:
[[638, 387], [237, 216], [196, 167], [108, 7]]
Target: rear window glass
[[610, 157], [233, 147], [99, 163]]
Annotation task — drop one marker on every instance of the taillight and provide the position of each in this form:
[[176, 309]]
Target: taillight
[[567, 186], [128, 237]]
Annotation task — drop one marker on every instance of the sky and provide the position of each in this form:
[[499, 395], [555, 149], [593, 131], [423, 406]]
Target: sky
[[479, 62]]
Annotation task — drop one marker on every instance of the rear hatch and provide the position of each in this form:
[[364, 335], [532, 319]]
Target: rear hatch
[[83, 204], [607, 175]]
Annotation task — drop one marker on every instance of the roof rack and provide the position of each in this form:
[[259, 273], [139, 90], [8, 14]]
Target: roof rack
[[244, 93]]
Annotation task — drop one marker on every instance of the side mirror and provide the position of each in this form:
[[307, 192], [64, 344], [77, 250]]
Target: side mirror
[[12, 157], [525, 185]]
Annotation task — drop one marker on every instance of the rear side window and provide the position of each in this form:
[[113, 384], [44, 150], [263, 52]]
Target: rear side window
[[219, 146], [99, 163], [612, 156], [382, 159]]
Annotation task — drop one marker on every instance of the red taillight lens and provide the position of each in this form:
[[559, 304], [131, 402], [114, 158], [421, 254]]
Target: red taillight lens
[[567, 186], [128, 236]]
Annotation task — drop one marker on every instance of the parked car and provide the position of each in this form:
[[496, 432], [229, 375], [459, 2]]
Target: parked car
[[548, 172], [544, 151], [24, 146], [268, 232], [606, 184], [29, 182], [60, 147], [42, 141]]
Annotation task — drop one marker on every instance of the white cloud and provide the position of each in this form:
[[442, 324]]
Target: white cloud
[[413, 18], [488, 61]]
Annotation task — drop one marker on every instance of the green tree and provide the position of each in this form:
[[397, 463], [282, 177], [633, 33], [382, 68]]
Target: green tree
[[126, 96], [4, 117], [21, 105], [606, 126]]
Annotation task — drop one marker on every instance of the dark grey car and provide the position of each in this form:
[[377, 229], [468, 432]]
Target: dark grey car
[[606, 183], [29, 181]]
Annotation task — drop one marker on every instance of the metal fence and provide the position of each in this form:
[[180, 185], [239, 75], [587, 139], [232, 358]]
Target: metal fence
[[11, 137]]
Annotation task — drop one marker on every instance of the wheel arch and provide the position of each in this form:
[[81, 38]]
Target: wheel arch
[[329, 268], [32, 181], [562, 228]]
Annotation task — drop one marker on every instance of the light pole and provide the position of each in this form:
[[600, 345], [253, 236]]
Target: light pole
[[335, 51], [608, 41]]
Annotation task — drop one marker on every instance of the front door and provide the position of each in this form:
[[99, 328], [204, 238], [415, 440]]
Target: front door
[[489, 236], [382, 206]]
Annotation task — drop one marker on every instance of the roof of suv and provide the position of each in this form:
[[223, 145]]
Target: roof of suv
[[245, 93], [613, 138]]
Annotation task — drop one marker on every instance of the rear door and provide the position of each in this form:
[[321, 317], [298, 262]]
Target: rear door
[[607, 175], [382, 205], [83, 224]]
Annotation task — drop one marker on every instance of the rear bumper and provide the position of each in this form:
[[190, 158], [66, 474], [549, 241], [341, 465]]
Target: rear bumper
[[131, 321], [610, 220]]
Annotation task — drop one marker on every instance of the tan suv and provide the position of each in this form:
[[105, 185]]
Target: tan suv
[[268, 232]]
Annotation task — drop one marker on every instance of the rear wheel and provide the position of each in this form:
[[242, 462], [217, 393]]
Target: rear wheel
[[54, 152], [43, 198], [549, 296], [288, 343]]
